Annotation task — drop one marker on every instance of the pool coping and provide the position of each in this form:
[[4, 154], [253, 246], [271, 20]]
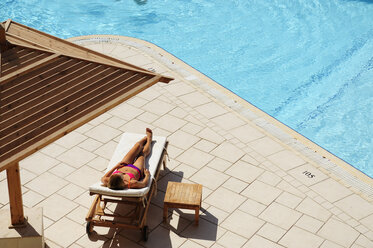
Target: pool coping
[[315, 153]]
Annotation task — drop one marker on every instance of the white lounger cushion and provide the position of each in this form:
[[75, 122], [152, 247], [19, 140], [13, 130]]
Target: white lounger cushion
[[126, 143]]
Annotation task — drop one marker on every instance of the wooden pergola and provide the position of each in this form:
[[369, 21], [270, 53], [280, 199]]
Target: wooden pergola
[[49, 87]]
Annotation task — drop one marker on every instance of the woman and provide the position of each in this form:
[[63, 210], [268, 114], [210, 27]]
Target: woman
[[131, 172]]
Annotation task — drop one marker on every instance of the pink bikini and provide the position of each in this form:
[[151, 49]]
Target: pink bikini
[[128, 173]]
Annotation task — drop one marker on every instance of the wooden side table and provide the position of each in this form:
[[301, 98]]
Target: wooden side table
[[183, 195]]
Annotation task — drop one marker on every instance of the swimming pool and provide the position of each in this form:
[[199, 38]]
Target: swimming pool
[[307, 63]]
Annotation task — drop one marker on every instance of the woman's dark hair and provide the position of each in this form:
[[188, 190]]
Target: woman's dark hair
[[116, 182]]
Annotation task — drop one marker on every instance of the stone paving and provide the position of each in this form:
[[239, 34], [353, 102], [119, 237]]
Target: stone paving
[[258, 190]]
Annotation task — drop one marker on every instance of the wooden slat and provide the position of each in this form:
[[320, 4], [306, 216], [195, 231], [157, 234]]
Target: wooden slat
[[60, 113], [24, 62], [60, 119], [42, 89], [103, 106], [19, 57], [56, 99], [28, 68], [16, 85]]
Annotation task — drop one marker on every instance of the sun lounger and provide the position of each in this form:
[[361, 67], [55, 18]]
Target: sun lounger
[[138, 199]]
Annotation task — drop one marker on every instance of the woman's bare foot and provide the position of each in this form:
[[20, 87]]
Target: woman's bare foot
[[149, 135]]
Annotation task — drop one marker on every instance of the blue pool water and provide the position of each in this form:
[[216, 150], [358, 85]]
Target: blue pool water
[[308, 63]]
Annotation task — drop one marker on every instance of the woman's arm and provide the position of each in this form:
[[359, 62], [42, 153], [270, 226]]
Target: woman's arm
[[105, 178], [141, 184]]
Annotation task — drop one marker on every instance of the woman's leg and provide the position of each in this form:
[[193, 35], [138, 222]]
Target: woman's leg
[[140, 161], [130, 157]]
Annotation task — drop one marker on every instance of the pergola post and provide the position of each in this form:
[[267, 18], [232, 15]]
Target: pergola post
[[15, 196], [2, 38]]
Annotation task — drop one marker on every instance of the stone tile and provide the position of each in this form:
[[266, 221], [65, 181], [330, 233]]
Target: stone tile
[[90, 144], [364, 241], [271, 232], [26, 175], [313, 209], [230, 239], [205, 145], [182, 139], [225, 199], [338, 232], [219, 164], [252, 207], [257, 241], [179, 88], [56, 206], [62, 170], [279, 215], [228, 121], [309, 224], [242, 223], [169, 122], [76, 157], [135, 126], [368, 221], [78, 215], [246, 133], [194, 99], [71, 191], [211, 109], [235, 185], [64, 232], [286, 160], [31, 198], [289, 200], [98, 163], [99, 119], [329, 244], [214, 215], [103, 133], [70, 140], [205, 234], [138, 60], [46, 184], [191, 244], [331, 190], [308, 174], [265, 146], [209, 178], [355, 206], [210, 135], [261, 192], [85, 177], [296, 236], [289, 188], [269, 178], [158, 107], [115, 122], [250, 159], [53, 150], [124, 112], [195, 158], [187, 170], [38, 163], [107, 150], [179, 112], [228, 151], [244, 171], [147, 117]]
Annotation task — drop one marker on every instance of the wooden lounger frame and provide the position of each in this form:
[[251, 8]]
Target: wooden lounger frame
[[136, 219]]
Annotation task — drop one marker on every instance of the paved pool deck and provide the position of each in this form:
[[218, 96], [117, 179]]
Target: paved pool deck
[[264, 185]]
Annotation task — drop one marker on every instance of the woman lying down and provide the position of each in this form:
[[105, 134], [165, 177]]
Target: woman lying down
[[131, 172]]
